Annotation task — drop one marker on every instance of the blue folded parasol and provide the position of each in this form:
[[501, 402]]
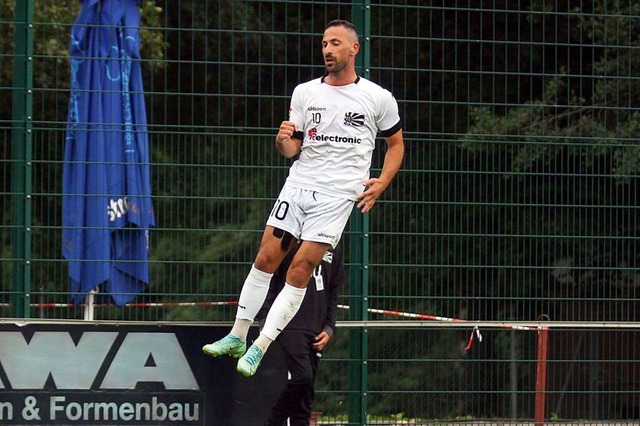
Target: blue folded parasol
[[107, 208]]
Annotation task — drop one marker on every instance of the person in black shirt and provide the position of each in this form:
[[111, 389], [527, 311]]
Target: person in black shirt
[[306, 335]]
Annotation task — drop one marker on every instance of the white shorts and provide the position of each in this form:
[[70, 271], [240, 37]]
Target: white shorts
[[310, 216]]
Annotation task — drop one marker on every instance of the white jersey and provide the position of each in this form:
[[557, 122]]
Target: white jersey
[[338, 127]]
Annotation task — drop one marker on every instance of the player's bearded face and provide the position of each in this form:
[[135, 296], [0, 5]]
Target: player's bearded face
[[336, 49], [335, 64]]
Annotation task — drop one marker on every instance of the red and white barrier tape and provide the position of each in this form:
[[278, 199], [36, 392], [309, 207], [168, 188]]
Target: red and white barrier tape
[[475, 333]]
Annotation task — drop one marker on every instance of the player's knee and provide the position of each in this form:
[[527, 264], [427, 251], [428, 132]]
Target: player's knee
[[300, 272], [267, 261]]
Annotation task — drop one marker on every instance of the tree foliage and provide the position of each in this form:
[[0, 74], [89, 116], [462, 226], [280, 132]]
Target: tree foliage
[[586, 110], [567, 156]]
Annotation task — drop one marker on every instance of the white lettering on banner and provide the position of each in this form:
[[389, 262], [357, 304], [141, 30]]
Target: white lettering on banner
[[6, 411], [171, 366], [31, 410], [127, 411], [28, 364]]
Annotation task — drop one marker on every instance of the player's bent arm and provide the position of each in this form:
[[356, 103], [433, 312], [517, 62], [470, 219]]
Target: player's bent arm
[[393, 157], [288, 147]]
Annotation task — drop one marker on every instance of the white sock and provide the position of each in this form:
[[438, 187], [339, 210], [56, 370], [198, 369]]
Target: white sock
[[263, 342], [241, 328], [252, 296], [284, 307]]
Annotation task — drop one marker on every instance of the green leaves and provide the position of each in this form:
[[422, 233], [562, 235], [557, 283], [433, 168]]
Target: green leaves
[[586, 113]]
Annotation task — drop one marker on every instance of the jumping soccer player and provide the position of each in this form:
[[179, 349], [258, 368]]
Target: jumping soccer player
[[332, 127]]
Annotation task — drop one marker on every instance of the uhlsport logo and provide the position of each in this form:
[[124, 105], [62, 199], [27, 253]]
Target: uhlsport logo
[[101, 377]]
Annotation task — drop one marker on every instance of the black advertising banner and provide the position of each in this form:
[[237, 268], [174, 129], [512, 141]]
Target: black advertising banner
[[129, 374]]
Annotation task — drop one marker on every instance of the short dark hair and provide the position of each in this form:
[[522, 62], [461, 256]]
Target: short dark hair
[[342, 23]]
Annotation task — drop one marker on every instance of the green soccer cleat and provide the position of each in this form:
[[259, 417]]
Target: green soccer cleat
[[248, 364], [229, 345]]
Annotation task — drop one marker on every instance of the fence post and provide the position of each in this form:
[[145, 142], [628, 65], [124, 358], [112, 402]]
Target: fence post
[[22, 121], [541, 375], [359, 258], [358, 303]]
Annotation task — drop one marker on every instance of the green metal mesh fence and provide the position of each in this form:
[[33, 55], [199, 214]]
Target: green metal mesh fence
[[517, 200]]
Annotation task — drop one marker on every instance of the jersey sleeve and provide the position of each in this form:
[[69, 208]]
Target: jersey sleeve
[[389, 116], [296, 112]]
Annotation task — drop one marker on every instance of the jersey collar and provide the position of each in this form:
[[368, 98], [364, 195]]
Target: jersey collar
[[354, 82]]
